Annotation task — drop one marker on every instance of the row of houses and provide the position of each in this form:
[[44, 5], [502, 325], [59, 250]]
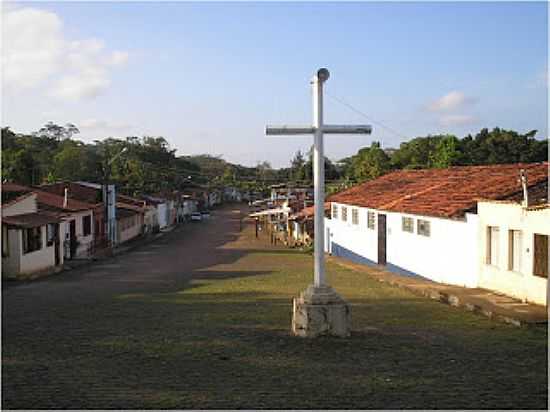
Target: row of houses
[[474, 226], [46, 225]]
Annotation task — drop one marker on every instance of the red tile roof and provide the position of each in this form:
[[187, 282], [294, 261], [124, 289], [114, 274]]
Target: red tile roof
[[307, 212], [49, 200], [77, 191], [441, 192]]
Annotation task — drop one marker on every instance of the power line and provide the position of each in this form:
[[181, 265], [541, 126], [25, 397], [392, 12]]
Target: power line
[[349, 106]]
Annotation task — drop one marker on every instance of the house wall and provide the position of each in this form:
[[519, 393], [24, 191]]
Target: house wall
[[85, 243], [39, 259], [523, 284], [11, 262], [23, 206], [449, 255], [131, 231], [150, 219], [162, 211]]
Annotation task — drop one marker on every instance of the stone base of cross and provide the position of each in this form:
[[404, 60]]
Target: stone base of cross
[[319, 310]]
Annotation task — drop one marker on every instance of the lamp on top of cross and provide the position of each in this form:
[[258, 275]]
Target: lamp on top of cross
[[319, 310]]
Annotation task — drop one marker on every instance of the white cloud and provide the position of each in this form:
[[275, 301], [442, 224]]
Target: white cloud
[[450, 101], [36, 50], [457, 120], [95, 124], [33, 46]]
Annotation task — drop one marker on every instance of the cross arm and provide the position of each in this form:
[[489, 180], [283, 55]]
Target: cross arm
[[288, 130], [282, 130], [345, 129]]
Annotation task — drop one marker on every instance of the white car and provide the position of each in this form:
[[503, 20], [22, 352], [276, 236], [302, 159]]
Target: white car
[[205, 214], [196, 216]]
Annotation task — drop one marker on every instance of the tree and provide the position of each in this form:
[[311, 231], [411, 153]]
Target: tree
[[56, 132], [446, 152], [369, 163], [70, 162], [297, 167]]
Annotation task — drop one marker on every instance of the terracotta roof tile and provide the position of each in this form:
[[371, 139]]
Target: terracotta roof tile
[[441, 192]]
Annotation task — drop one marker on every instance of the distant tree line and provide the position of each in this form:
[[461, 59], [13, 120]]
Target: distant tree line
[[437, 151], [148, 165]]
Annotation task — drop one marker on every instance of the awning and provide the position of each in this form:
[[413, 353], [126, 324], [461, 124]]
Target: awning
[[271, 212], [29, 220]]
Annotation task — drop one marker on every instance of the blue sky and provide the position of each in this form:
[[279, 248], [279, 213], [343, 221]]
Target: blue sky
[[209, 76]]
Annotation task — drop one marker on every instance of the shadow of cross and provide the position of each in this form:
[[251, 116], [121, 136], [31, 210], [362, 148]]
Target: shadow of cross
[[318, 129]]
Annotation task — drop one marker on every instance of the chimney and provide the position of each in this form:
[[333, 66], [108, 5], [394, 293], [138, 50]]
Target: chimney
[[66, 198], [523, 179]]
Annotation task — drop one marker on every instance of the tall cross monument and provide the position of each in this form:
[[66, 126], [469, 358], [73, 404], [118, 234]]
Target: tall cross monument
[[319, 310]]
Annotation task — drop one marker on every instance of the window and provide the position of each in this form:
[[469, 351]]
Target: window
[[492, 245], [355, 216], [423, 227], [86, 225], [540, 261], [407, 224], [344, 213], [335, 211], [50, 234], [32, 239], [514, 250], [371, 217], [5, 241]]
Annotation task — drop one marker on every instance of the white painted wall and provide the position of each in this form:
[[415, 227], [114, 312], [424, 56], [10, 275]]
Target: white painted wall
[[162, 215], [85, 242], [449, 255], [11, 262], [523, 284], [39, 259]]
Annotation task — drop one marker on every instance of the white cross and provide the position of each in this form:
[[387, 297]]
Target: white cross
[[318, 129]]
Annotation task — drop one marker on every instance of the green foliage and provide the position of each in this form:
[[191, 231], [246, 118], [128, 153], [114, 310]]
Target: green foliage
[[369, 163]]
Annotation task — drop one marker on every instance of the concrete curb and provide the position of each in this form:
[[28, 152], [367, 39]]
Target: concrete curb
[[441, 296]]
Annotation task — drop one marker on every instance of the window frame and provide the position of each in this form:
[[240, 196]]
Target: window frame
[[404, 227], [515, 236], [492, 254], [50, 240], [86, 224], [371, 220], [335, 211], [31, 243], [541, 247], [355, 216], [344, 213], [423, 232]]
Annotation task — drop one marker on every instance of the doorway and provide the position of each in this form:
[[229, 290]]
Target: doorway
[[381, 239], [72, 238]]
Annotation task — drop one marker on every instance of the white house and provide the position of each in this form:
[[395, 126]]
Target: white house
[[423, 222], [514, 244], [78, 239], [31, 240]]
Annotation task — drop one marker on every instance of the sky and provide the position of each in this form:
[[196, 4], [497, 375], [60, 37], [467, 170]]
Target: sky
[[209, 76]]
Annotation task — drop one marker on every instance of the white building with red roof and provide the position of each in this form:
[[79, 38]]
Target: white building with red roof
[[31, 239], [426, 223]]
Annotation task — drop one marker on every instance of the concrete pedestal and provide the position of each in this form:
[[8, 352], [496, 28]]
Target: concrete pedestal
[[320, 311]]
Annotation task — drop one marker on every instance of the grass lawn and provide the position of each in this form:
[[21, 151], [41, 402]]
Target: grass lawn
[[225, 343]]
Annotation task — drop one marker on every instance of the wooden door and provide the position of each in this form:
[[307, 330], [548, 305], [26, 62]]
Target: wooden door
[[381, 239]]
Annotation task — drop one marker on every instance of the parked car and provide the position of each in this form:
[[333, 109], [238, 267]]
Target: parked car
[[196, 216], [205, 214]]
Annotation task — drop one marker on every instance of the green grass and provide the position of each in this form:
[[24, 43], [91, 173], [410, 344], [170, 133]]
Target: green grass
[[406, 351], [224, 342]]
